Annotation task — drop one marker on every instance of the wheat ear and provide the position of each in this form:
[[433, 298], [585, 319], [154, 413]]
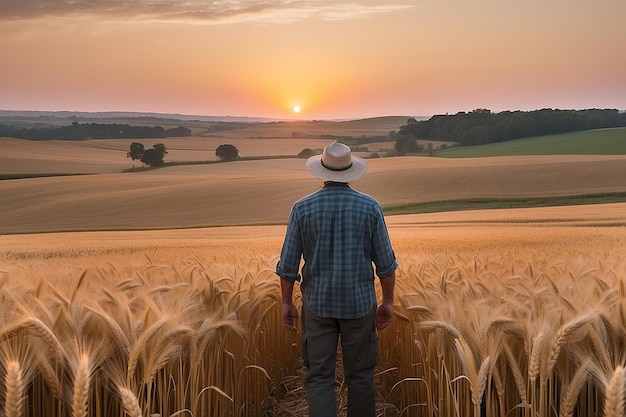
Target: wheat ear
[[517, 374], [51, 377], [140, 346], [81, 388], [564, 332], [14, 390], [46, 334], [481, 381], [573, 391], [118, 334], [614, 401], [437, 324], [535, 357], [130, 403]]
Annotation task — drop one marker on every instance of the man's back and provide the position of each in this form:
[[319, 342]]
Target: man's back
[[339, 232]]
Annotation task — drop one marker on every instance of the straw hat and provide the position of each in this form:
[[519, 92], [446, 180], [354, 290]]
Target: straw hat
[[336, 164]]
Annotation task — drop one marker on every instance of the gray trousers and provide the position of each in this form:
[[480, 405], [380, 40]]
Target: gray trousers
[[359, 345]]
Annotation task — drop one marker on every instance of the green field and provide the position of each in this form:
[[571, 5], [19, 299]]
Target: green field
[[502, 203], [588, 142]]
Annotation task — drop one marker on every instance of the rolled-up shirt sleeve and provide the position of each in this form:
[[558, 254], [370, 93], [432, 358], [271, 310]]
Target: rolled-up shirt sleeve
[[383, 255], [288, 266]]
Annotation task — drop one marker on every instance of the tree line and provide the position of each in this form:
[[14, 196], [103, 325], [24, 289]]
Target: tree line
[[82, 131], [481, 126]]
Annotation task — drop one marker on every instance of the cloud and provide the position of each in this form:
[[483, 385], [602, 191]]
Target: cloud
[[196, 11]]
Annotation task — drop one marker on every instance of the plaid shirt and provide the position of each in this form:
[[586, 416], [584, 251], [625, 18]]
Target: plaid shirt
[[339, 232]]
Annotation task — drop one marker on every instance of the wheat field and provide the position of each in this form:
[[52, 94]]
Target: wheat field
[[498, 312]]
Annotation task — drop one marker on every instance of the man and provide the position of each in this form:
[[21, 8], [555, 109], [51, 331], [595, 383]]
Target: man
[[339, 232]]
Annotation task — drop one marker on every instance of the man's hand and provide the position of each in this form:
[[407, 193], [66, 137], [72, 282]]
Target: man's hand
[[384, 314], [289, 316]]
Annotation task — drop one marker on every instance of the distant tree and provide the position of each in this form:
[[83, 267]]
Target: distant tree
[[410, 128], [407, 144], [136, 151], [151, 157], [161, 149], [154, 157], [227, 152]]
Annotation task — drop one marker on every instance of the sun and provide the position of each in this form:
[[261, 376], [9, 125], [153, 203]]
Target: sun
[[296, 109]]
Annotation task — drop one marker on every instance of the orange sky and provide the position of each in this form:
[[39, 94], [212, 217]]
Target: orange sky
[[335, 59]]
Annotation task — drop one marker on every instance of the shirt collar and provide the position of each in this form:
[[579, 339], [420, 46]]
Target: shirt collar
[[328, 184]]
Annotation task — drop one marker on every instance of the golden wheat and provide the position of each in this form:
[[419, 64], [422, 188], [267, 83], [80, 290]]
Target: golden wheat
[[14, 394], [130, 402], [81, 388], [572, 392], [490, 320], [615, 400], [563, 334]]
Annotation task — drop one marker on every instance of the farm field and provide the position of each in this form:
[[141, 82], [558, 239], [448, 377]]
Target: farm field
[[67, 254], [256, 140], [515, 312], [262, 191], [377, 126], [589, 142], [109, 155]]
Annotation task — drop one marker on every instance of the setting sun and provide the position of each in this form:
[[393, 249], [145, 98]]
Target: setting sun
[[296, 109]]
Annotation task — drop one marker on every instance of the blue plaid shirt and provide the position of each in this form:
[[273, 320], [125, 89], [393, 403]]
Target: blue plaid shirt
[[339, 232]]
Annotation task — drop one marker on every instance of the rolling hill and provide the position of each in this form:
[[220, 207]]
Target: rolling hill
[[262, 191]]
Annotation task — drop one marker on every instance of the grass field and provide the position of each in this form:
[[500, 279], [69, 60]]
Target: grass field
[[117, 300], [589, 142]]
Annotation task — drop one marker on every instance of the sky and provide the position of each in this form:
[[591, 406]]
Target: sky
[[332, 59]]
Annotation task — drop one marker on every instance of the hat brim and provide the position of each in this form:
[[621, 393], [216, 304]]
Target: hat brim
[[356, 171]]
